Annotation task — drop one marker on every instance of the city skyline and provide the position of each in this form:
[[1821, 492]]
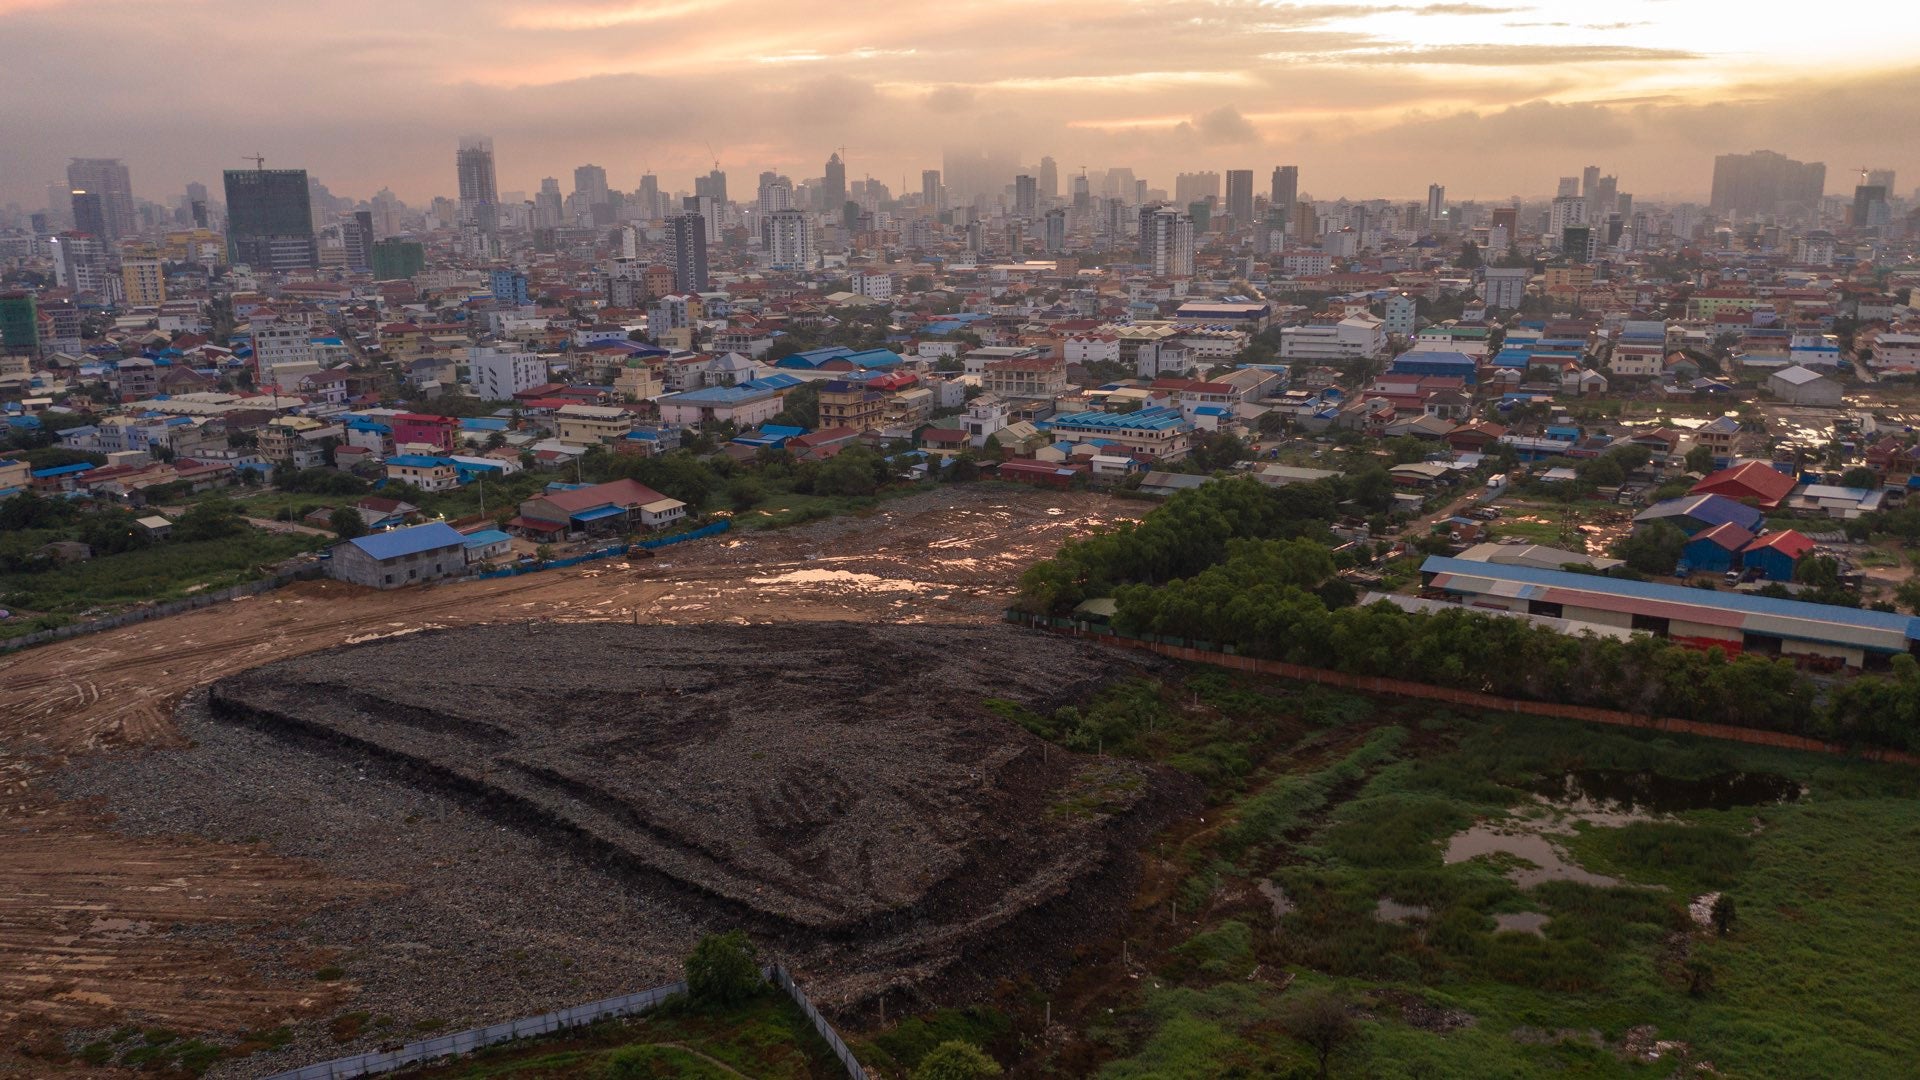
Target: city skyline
[[1371, 100]]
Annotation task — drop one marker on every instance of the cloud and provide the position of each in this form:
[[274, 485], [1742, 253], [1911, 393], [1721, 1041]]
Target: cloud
[[1223, 126], [951, 99], [1495, 55]]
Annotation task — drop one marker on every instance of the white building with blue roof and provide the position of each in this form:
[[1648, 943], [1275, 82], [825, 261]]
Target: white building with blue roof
[[1159, 432], [392, 560]]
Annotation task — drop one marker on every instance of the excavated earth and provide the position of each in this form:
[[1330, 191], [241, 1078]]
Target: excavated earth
[[547, 813]]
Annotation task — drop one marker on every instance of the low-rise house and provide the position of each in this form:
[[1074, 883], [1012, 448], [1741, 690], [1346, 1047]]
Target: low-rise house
[[600, 509], [487, 544], [424, 472]]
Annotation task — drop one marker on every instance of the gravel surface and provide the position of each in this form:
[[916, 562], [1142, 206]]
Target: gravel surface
[[545, 817]]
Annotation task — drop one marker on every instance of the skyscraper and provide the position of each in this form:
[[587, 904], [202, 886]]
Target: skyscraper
[[19, 323], [1050, 179], [930, 189], [687, 235], [549, 206], [1166, 241], [1869, 206], [1240, 196], [590, 183], [270, 220], [649, 196], [1589, 181], [479, 196], [712, 186], [1025, 196], [833, 190], [1082, 193], [776, 193], [1286, 187], [1436, 208], [109, 179], [1194, 186], [358, 234], [1761, 182], [1056, 230], [90, 213]]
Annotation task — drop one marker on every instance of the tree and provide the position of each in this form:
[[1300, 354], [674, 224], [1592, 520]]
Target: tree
[[215, 519], [1860, 477], [1723, 914], [746, 492], [1654, 548], [1700, 459], [724, 970], [1908, 594], [1322, 1020], [1469, 256], [346, 522], [956, 1060]]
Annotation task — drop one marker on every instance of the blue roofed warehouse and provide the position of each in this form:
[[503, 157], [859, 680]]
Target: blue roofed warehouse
[[389, 560]]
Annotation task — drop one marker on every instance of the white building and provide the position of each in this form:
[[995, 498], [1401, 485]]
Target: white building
[[874, 283], [283, 351], [1356, 337], [1400, 316], [787, 237], [497, 374], [1091, 348], [1170, 246], [986, 415], [1504, 287]]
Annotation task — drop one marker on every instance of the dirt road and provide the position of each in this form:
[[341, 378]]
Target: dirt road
[[97, 928]]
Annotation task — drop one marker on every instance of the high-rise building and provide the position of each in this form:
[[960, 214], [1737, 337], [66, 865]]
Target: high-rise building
[[833, 189], [1082, 193], [1286, 187], [1437, 208], [1869, 206], [1166, 241], [1050, 179], [1270, 233], [930, 189], [776, 193], [19, 323], [270, 220], [787, 237], [357, 232], [590, 185], [687, 235], [549, 206], [1195, 186], [712, 186], [1589, 181], [1766, 182], [396, 260], [109, 179], [709, 212], [143, 282], [1508, 218], [479, 196], [1569, 188], [90, 213], [1056, 230], [649, 196], [80, 264], [1026, 192], [1240, 196]]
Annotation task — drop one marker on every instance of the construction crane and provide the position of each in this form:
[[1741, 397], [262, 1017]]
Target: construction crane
[[714, 156], [258, 161]]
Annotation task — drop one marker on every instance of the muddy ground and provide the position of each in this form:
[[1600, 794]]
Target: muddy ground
[[146, 920]]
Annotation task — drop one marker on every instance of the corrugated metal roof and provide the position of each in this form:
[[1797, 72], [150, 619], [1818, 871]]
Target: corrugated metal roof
[[399, 542]]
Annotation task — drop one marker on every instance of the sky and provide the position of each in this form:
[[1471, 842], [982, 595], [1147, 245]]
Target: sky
[[1491, 99]]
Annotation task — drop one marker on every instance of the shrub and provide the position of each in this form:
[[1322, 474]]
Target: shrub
[[956, 1060], [724, 970]]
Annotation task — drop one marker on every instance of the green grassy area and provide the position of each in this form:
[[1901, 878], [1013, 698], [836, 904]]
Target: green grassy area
[[1353, 802], [767, 1037], [162, 572]]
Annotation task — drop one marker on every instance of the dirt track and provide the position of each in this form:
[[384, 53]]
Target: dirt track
[[98, 928]]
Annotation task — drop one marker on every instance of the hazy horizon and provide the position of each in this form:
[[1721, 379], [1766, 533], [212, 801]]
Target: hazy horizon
[[1371, 100]]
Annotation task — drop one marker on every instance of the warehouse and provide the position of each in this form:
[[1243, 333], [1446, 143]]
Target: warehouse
[[1732, 622], [389, 560]]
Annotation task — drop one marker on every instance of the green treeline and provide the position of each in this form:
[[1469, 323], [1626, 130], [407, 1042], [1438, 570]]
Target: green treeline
[[1235, 563]]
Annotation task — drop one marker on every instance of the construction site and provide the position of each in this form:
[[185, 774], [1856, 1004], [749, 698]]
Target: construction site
[[259, 857]]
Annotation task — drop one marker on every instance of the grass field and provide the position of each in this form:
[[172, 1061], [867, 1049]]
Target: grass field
[[1475, 969], [162, 572]]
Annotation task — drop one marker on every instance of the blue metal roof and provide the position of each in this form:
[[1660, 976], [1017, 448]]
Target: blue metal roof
[[400, 542], [1158, 418], [1710, 509], [597, 513], [62, 470], [417, 461], [1679, 594], [485, 537]]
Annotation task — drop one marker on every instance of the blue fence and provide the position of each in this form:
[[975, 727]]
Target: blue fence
[[711, 529]]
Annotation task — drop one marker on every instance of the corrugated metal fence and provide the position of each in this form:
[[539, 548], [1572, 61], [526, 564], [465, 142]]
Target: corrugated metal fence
[[714, 528], [159, 611], [466, 1042], [784, 981], [1205, 652]]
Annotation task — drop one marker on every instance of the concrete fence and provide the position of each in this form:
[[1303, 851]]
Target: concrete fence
[[466, 1042], [160, 611], [1206, 653]]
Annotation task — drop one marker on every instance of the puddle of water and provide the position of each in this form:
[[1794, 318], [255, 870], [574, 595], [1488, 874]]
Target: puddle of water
[[1277, 897], [1393, 911], [1520, 922], [1548, 862], [1610, 791]]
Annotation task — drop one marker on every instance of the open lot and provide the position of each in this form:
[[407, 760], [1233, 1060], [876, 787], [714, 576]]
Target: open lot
[[99, 927]]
